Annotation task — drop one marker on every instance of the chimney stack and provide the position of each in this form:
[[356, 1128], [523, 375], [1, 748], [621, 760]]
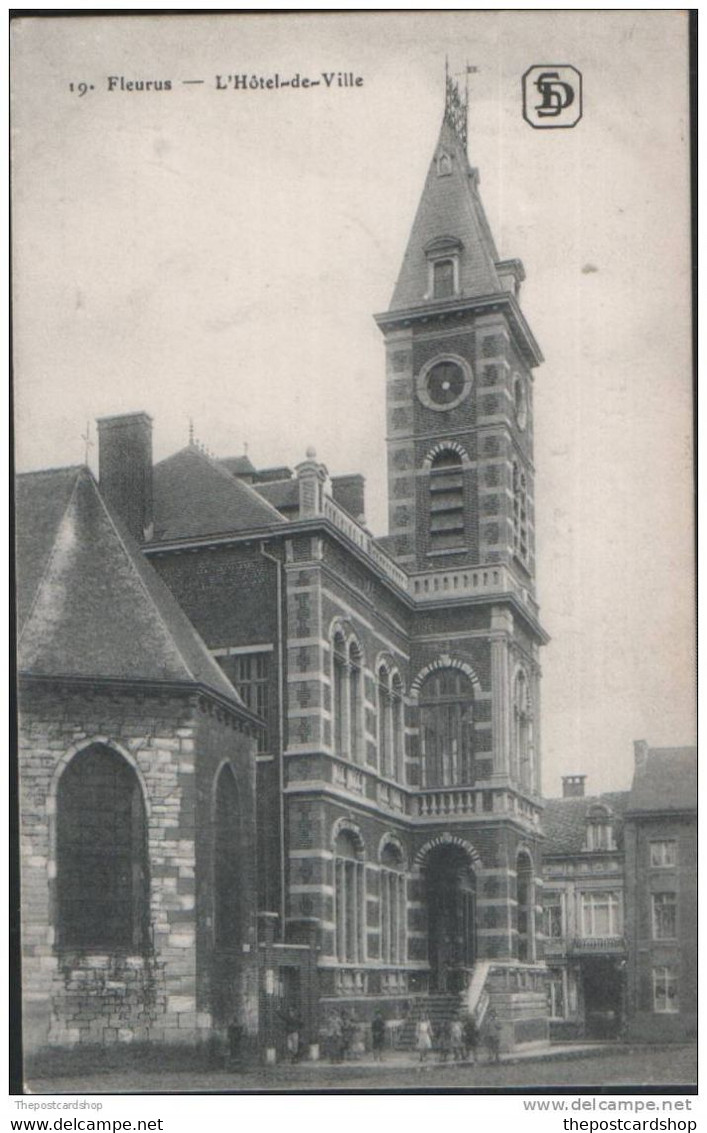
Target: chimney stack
[[640, 753], [573, 786], [125, 470]]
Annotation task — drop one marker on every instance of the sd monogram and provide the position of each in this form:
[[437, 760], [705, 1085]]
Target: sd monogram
[[552, 96]]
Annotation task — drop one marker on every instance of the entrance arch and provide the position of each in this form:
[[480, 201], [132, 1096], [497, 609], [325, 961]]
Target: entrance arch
[[450, 898]]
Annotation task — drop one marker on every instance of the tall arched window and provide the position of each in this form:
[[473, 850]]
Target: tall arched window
[[355, 674], [385, 738], [102, 876], [349, 898], [397, 727], [391, 724], [446, 729], [523, 731], [446, 501], [340, 695], [520, 513], [228, 864], [393, 905]]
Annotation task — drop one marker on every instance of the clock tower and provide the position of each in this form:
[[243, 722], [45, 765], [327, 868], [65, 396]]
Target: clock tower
[[459, 381]]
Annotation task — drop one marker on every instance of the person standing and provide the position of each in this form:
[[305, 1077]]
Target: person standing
[[424, 1037], [470, 1034], [378, 1036], [456, 1039], [493, 1037]]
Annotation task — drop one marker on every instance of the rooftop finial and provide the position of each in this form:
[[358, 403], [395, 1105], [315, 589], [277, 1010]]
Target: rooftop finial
[[456, 101]]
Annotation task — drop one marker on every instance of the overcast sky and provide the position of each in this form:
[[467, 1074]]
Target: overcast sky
[[219, 254]]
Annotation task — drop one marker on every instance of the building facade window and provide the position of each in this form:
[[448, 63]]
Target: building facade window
[[601, 914], [525, 895], [447, 729], [664, 854], [665, 991], [349, 899], [443, 279], [520, 513], [227, 862], [446, 501], [347, 698], [600, 829], [523, 731], [250, 675], [553, 912], [664, 916], [102, 875], [393, 906], [391, 724]]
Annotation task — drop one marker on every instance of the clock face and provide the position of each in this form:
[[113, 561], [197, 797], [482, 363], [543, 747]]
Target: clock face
[[445, 383]]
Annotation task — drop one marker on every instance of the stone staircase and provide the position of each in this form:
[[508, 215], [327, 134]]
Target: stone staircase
[[439, 1009], [442, 1008]]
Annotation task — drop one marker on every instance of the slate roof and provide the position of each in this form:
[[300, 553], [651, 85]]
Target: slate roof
[[89, 604], [282, 494], [666, 781], [450, 206], [565, 820], [195, 496], [238, 465]]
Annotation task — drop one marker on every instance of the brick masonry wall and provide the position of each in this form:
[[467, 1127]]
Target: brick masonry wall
[[75, 998]]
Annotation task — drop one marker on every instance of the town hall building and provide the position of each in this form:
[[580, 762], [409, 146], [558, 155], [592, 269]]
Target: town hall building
[[270, 764]]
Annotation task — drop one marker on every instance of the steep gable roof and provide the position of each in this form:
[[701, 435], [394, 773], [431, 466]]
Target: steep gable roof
[[565, 820], [195, 496], [282, 494], [450, 207], [666, 780], [98, 609]]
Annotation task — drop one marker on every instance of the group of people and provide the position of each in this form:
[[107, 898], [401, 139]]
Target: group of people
[[345, 1037], [459, 1039]]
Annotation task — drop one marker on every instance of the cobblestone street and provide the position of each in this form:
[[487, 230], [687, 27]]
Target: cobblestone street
[[610, 1065]]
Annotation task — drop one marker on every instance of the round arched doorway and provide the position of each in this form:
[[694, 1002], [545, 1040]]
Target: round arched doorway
[[450, 889]]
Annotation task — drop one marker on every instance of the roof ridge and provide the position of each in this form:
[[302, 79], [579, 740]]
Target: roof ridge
[[145, 590], [52, 471], [52, 554], [213, 461]]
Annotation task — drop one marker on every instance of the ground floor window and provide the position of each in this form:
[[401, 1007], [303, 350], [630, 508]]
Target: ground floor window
[[349, 900], [665, 990]]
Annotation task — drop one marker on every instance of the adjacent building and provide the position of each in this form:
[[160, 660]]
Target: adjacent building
[[620, 903]]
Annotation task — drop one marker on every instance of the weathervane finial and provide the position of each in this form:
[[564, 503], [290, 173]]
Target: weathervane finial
[[456, 101]]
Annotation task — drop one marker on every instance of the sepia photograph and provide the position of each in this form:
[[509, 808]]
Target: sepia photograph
[[354, 552]]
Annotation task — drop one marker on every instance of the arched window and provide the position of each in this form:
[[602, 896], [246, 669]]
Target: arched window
[[102, 877], [393, 906], [385, 738], [520, 513], [446, 729], [228, 864], [525, 890], [340, 696], [523, 731], [443, 279], [398, 727], [355, 674], [349, 899], [446, 501]]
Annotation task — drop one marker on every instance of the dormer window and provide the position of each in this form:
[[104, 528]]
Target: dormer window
[[600, 829], [444, 164], [443, 279], [443, 267]]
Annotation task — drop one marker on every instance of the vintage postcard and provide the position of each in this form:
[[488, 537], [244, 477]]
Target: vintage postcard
[[354, 537]]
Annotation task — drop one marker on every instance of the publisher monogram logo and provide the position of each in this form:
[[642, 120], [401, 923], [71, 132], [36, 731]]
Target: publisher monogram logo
[[552, 96]]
